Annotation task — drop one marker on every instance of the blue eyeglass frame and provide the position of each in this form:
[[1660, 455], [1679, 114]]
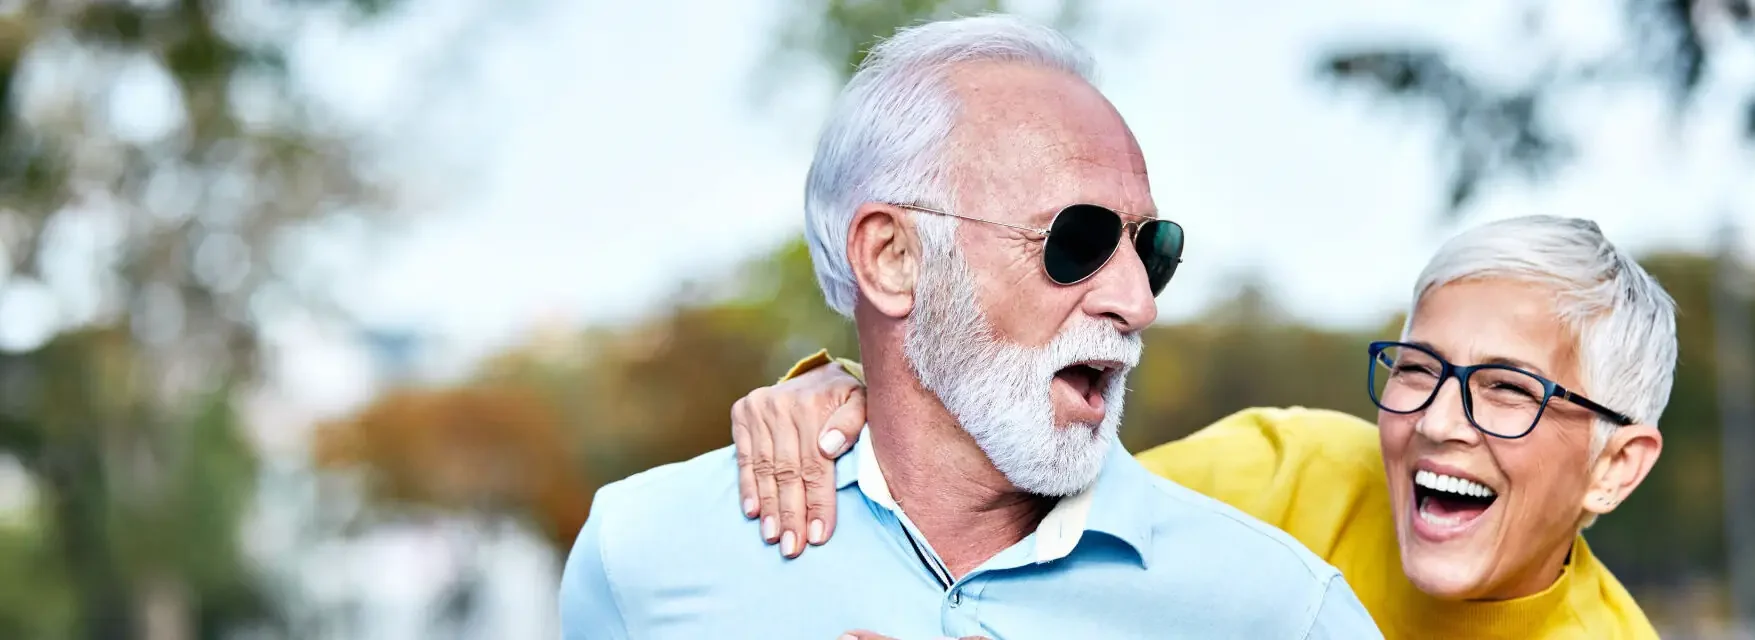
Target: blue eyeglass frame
[[1550, 389]]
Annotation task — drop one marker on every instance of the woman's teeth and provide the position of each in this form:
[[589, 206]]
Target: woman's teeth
[[1442, 521], [1452, 484]]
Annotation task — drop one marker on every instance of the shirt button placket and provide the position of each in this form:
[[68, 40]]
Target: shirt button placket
[[959, 612]]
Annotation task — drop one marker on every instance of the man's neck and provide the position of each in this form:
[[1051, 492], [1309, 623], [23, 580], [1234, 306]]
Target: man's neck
[[965, 508]]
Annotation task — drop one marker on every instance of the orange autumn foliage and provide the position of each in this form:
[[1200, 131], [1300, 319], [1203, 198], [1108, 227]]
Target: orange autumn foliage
[[495, 449]]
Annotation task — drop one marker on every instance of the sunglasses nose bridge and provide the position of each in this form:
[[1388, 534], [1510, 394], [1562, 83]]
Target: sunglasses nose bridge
[[1131, 229]]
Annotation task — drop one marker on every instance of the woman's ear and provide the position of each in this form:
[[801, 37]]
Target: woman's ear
[[1625, 461], [884, 252]]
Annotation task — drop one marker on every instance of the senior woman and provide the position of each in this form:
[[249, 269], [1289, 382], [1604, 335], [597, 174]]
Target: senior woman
[[1520, 403]]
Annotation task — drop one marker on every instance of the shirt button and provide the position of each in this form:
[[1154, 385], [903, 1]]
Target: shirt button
[[956, 599]]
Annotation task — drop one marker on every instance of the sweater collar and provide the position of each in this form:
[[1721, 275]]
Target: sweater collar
[[1425, 616]]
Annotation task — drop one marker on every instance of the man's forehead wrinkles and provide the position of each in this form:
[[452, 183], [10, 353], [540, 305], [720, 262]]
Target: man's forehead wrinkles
[[1045, 144]]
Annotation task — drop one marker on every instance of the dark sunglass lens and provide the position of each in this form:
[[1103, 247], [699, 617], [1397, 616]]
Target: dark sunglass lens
[[1081, 240], [1159, 244]]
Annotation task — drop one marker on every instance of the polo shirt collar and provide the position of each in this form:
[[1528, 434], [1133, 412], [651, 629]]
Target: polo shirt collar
[[1115, 505]]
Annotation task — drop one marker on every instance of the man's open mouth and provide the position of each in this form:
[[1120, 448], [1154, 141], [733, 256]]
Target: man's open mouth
[[1087, 378], [1078, 390], [1450, 502]]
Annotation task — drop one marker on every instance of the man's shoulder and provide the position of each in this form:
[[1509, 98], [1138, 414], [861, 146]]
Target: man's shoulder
[[696, 490], [670, 510], [664, 524], [633, 535], [670, 552], [708, 472], [1192, 527]]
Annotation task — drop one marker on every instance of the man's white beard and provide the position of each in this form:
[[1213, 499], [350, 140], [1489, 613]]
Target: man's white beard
[[1000, 392]]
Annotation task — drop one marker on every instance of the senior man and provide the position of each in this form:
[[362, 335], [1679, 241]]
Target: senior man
[[965, 209]]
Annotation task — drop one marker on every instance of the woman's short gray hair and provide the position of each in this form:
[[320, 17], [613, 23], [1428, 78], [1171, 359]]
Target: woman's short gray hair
[[885, 138], [1624, 321]]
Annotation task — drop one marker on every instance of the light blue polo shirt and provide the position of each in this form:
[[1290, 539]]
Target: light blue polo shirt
[[668, 554]]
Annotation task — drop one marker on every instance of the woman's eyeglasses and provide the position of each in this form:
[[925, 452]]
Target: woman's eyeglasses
[[1500, 400]]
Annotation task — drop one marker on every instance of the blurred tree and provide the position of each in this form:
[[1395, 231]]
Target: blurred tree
[[148, 195], [490, 449], [1493, 127], [483, 453], [34, 599]]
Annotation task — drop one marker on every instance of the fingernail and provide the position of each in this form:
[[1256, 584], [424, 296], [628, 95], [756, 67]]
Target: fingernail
[[831, 442], [768, 529], [789, 543], [749, 507], [816, 532], [847, 636]]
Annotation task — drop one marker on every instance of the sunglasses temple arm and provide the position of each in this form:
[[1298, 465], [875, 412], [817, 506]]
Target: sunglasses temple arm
[[1040, 232]]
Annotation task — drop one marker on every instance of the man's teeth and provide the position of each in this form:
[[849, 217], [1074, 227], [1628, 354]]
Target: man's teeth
[[1452, 484]]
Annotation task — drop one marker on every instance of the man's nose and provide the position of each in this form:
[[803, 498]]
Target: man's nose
[[1121, 291]]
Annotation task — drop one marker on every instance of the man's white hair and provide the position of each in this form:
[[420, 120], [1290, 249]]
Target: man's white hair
[[1624, 321], [885, 140]]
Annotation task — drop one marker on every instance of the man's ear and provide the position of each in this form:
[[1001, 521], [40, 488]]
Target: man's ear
[[884, 252], [1623, 464]]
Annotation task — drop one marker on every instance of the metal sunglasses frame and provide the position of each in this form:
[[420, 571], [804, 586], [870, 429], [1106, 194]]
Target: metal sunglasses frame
[[1129, 230]]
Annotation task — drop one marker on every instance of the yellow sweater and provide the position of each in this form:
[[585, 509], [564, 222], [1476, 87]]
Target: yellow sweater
[[1318, 475]]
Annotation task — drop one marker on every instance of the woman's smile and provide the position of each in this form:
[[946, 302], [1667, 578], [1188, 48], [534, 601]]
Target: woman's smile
[[1447, 503]]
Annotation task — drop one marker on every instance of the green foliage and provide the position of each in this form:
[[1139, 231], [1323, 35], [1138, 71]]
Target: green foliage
[[35, 599], [191, 527]]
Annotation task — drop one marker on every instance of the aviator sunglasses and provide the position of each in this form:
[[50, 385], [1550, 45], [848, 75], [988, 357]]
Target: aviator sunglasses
[[1083, 237]]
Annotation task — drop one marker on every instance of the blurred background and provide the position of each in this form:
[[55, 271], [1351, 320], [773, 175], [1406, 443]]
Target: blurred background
[[326, 318]]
